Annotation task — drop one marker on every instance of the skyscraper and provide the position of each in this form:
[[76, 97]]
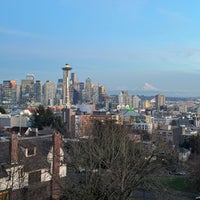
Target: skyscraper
[[124, 99], [38, 91], [74, 90], [136, 101], [81, 87], [73, 78], [59, 92], [160, 101], [27, 89], [66, 93], [101, 93], [88, 90], [49, 93], [9, 92]]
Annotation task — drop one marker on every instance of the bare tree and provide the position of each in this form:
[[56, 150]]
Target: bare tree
[[112, 165]]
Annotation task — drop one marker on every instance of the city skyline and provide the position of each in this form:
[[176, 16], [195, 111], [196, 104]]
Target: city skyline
[[138, 45]]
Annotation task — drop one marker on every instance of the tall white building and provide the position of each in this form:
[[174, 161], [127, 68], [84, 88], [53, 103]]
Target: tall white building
[[136, 101], [48, 93], [124, 99]]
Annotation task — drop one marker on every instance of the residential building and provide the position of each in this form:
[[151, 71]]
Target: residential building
[[130, 116], [32, 167], [81, 123], [143, 126], [183, 108], [19, 120]]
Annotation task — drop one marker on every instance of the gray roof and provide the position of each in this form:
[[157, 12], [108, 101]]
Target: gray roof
[[38, 161], [131, 113]]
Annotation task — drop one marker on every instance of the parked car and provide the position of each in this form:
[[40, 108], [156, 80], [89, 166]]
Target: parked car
[[180, 173]]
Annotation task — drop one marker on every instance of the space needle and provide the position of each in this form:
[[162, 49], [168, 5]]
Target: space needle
[[66, 93]]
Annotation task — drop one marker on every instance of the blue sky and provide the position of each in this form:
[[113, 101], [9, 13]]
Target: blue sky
[[121, 44]]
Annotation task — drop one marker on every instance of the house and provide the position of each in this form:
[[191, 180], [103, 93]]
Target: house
[[184, 154], [32, 167]]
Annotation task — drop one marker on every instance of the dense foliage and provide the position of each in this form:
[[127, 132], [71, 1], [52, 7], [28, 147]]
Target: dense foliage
[[193, 144], [44, 117], [2, 110]]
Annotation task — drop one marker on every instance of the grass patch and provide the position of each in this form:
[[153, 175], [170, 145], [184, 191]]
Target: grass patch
[[179, 183]]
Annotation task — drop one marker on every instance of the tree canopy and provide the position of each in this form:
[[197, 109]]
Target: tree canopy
[[44, 117], [192, 143], [2, 110]]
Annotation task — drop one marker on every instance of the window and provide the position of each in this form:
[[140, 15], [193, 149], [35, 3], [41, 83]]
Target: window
[[4, 195], [21, 173], [34, 177], [30, 151], [9, 176]]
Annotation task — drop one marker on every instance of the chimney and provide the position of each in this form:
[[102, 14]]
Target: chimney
[[14, 148], [56, 153], [56, 166], [35, 131]]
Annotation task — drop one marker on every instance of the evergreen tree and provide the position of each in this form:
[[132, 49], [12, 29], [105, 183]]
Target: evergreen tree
[[2, 110], [46, 118]]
